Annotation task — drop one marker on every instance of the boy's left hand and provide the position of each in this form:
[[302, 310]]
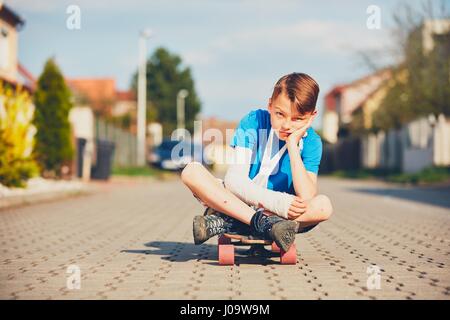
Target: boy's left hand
[[294, 137]]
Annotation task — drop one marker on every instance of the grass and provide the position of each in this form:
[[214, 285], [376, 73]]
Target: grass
[[139, 171], [426, 176]]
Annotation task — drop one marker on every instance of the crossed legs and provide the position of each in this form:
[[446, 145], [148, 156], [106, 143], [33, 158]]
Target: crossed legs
[[209, 190]]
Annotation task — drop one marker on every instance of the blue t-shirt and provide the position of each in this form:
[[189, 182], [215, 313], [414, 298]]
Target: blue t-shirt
[[253, 131]]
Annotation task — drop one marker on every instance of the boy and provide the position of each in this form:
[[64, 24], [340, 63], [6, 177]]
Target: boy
[[271, 188]]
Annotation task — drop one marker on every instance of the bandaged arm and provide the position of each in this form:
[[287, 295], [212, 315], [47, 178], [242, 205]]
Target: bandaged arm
[[237, 181]]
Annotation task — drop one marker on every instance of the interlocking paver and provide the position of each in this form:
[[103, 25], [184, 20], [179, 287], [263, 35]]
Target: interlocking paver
[[133, 240]]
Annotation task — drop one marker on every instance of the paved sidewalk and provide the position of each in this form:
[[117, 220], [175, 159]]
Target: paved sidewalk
[[133, 240], [42, 190]]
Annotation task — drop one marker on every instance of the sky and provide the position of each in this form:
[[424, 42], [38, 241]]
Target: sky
[[236, 49]]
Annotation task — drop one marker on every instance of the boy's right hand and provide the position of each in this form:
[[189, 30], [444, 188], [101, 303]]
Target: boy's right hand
[[297, 208]]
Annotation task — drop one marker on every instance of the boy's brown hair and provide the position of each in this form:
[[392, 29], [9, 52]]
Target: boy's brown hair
[[301, 89]]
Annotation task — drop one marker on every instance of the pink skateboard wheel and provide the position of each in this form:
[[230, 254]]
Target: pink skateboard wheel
[[289, 257], [226, 254], [275, 248]]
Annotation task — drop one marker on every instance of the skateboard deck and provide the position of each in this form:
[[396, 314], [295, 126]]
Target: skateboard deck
[[243, 239], [227, 242]]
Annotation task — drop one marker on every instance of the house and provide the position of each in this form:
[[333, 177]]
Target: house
[[342, 100], [435, 33], [125, 103], [102, 96], [418, 144], [98, 93], [11, 71]]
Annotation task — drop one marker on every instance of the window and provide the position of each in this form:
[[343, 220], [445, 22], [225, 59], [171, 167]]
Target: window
[[4, 48]]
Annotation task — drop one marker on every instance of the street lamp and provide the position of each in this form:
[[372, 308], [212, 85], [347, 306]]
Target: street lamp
[[181, 96], [142, 96]]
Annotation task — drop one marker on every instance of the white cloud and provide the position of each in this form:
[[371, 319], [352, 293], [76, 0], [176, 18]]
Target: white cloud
[[308, 37]]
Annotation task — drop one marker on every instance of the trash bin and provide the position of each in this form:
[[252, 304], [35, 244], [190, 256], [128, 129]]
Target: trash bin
[[81, 145], [105, 152]]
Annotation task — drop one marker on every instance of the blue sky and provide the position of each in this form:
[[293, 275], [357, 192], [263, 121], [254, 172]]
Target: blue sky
[[236, 49]]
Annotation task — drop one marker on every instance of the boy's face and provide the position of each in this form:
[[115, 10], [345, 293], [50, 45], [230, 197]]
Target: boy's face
[[284, 117]]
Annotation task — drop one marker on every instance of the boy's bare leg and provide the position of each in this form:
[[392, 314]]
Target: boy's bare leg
[[318, 209], [206, 187]]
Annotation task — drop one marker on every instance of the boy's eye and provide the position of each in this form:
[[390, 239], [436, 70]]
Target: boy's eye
[[279, 114]]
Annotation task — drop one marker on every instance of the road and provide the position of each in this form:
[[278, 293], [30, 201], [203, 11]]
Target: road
[[133, 240]]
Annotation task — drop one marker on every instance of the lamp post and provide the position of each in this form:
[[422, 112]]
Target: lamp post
[[142, 96], [181, 96]]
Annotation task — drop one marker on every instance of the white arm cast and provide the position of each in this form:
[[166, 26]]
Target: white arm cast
[[237, 181]]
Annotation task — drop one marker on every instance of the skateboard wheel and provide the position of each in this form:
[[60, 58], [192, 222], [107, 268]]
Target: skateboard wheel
[[275, 248], [226, 254], [289, 257], [224, 240]]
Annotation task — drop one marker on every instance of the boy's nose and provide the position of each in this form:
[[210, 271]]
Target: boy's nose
[[286, 125]]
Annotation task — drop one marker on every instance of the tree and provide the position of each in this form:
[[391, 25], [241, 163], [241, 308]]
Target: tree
[[420, 83], [165, 77], [53, 139]]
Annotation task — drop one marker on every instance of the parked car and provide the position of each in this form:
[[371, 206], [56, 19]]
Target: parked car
[[175, 155]]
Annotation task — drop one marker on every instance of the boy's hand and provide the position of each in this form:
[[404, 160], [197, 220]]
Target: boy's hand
[[297, 208], [294, 138]]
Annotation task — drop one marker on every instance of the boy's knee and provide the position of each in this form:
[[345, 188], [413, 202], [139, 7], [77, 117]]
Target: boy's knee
[[325, 207], [190, 171]]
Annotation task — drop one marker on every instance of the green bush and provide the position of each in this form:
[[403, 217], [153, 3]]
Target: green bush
[[16, 137]]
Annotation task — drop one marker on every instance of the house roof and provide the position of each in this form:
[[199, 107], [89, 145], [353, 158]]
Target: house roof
[[100, 89], [8, 15], [100, 93], [330, 96], [27, 80], [96, 90], [125, 95]]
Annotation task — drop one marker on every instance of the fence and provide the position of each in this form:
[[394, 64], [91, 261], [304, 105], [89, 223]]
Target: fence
[[125, 143], [417, 145]]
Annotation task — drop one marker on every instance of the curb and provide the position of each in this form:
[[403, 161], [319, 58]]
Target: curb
[[24, 200]]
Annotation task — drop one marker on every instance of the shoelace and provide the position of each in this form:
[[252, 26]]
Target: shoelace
[[214, 225]]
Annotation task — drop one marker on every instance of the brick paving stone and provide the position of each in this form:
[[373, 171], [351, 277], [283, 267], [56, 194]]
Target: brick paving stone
[[133, 240]]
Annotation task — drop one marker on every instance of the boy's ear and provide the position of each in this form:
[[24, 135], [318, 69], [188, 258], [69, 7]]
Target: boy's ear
[[269, 104]]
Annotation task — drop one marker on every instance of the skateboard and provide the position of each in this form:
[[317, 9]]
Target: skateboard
[[227, 242]]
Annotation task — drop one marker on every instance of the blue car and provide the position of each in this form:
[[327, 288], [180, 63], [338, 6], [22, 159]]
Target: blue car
[[175, 155]]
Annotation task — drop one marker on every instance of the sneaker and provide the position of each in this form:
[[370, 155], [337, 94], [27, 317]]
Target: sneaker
[[207, 226], [274, 228], [233, 226]]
